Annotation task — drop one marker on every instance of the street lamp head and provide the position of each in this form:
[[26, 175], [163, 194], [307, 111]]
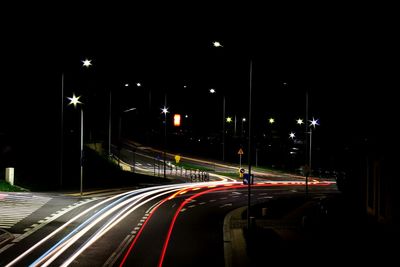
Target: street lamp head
[[271, 120], [87, 63], [244, 119], [299, 121], [292, 135], [212, 91], [164, 110], [314, 122], [129, 109], [229, 119], [217, 44], [138, 84], [74, 100]]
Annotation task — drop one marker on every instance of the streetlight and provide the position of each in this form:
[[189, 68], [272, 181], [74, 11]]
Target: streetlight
[[120, 132], [85, 63], [149, 118], [164, 110], [75, 101], [271, 120], [110, 120], [217, 44], [213, 91], [243, 121], [249, 145], [62, 131], [313, 123]]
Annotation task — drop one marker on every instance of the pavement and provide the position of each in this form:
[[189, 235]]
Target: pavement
[[311, 231], [314, 229]]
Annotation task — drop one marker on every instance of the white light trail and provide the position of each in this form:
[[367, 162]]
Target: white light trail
[[48, 257]]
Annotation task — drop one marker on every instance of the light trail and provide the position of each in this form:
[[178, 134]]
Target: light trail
[[135, 196], [122, 205], [27, 252], [111, 223]]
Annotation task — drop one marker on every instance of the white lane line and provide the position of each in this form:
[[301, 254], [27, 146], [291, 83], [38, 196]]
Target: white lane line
[[31, 230], [117, 253], [266, 197]]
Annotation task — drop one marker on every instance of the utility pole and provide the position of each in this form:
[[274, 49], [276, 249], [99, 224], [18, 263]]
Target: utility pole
[[249, 149], [307, 150], [109, 126], [223, 128], [62, 131]]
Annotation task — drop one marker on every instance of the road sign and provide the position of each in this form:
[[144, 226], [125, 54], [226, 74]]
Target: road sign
[[177, 158], [246, 178], [241, 172], [240, 152], [306, 170]]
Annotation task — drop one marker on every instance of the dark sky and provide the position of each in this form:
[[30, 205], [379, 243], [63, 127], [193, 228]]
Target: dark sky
[[343, 56]]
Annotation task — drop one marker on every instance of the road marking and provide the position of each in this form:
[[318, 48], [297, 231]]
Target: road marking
[[266, 197], [16, 207], [30, 230]]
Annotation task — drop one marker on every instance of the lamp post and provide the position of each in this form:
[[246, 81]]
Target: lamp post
[[120, 133], [62, 131], [109, 123], [164, 110], [313, 123], [249, 147], [217, 44], [308, 143], [85, 63], [74, 101], [110, 120], [308, 169], [213, 91], [243, 121]]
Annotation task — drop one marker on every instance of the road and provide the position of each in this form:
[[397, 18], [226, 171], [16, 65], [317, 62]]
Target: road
[[150, 161], [169, 225]]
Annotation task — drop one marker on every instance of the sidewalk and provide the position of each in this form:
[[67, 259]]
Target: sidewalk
[[313, 232], [271, 227]]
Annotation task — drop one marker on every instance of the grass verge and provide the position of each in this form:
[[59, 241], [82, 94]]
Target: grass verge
[[6, 187]]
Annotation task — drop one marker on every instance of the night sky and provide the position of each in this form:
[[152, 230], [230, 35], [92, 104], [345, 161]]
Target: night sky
[[343, 57]]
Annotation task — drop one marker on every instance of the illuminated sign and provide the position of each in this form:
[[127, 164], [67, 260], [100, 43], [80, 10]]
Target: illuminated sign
[[177, 120]]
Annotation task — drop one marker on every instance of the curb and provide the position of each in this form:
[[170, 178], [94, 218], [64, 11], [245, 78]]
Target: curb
[[5, 237], [234, 242]]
